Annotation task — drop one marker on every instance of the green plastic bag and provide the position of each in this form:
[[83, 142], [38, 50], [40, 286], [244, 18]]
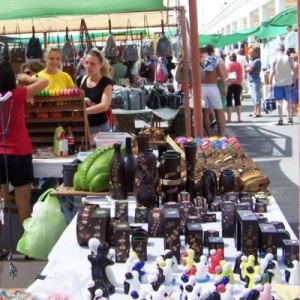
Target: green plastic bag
[[43, 229]]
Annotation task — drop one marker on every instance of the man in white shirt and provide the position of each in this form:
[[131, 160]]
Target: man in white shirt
[[281, 81], [241, 58], [291, 39]]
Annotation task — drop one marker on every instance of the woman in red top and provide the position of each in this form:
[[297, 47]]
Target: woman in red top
[[234, 88], [15, 143]]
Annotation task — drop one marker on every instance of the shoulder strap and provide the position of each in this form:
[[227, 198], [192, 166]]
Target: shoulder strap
[[84, 77]]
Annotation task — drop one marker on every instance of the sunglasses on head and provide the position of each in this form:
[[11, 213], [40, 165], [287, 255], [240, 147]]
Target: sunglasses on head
[[96, 52]]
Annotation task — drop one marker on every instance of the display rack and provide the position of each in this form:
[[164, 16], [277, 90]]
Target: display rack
[[44, 114]]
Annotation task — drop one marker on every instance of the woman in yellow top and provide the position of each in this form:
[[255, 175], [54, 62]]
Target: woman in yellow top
[[57, 78]]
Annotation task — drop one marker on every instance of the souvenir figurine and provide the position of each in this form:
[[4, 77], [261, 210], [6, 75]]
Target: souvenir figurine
[[265, 261], [139, 266], [274, 272], [250, 295], [237, 269], [260, 279], [157, 276], [214, 259], [100, 262], [193, 292], [188, 256], [266, 293], [292, 273], [131, 260], [228, 294], [201, 267], [191, 281], [169, 254], [160, 294], [138, 296], [131, 282], [246, 262], [168, 271]]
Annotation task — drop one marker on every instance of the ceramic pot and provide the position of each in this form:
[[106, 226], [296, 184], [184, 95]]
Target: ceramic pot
[[208, 186], [227, 182]]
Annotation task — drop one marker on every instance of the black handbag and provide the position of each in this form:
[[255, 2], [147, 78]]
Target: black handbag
[[145, 70], [175, 100], [157, 98], [34, 49], [18, 52]]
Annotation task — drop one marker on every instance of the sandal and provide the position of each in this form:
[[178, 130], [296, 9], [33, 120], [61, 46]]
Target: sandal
[[3, 253], [280, 122]]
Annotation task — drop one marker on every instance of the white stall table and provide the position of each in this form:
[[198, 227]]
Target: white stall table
[[69, 270]]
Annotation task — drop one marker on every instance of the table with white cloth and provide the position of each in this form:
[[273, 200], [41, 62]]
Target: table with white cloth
[[68, 269], [165, 113], [50, 167]]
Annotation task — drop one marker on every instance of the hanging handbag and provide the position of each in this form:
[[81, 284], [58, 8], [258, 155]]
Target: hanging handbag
[[110, 49], [34, 49], [4, 53], [147, 47], [145, 70], [68, 51], [164, 47], [129, 48], [18, 52]]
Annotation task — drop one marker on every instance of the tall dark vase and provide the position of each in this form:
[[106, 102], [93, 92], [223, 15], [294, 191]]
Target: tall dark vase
[[190, 149], [208, 186], [142, 142], [117, 175], [130, 164], [145, 181], [227, 182], [170, 177]]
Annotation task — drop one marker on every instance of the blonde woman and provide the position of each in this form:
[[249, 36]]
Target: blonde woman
[[57, 78], [97, 86]]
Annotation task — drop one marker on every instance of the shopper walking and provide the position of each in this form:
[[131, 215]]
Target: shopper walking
[[282, 68], [97, 86], [15, 144], [210, 91], [234, 88], [253, 69]]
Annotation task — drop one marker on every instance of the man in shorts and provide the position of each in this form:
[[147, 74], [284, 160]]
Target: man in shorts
[[282, 67], [210, 92], [253, 69]]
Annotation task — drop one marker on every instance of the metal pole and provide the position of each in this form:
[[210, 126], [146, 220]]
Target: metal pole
[[188, 130], [198, 118], [298, 28]]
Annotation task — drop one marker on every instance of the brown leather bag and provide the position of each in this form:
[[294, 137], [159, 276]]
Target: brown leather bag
[[18, 52]]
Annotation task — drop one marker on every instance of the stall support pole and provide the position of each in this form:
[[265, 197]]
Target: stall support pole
[[45, 40], [298, 26], [198, 118], [188, 123]]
